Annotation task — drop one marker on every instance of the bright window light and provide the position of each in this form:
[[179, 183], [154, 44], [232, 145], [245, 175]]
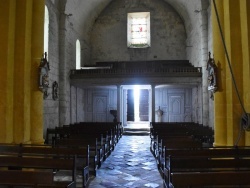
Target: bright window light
[[138, 32], [46, 31], [78, 55]]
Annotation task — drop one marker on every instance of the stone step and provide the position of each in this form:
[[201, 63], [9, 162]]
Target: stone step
[[136, 131]]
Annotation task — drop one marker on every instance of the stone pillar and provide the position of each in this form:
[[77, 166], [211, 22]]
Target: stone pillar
[[36, 131], [153, 103], [245, 30], [220, 103], [7, 37], [22, 38], [228, 110], [119, 103], [233, 42]]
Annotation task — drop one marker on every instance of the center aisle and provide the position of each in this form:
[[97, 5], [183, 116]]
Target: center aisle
[[130, 165]]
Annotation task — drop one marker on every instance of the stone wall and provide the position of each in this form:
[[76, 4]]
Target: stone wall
[[51, 107], [180, 29], [62, 58], [109, 33]]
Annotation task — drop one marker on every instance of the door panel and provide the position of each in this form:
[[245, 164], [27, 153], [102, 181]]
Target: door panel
[[99, 109], [144, 105], [176, 107], [130, 105]]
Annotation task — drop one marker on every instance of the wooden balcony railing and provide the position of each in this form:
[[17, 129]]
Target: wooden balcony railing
[[159, 72]]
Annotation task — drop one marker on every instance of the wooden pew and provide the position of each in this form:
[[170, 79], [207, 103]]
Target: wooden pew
[[200, 179], [205, 160], [37, 179], [89, 130], [95, 150], [181, 142], [163, 129], [80, 156], [37, 164]]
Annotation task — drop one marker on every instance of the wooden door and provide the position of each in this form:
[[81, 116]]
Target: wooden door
[[176, 107], [99, 108], [144, 105], [130, 105]]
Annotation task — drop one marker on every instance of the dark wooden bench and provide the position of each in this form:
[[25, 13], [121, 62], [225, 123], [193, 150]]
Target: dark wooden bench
[[37, 164], [204, 179], [31, 179], [104, 136], [205, 160], [162, 129], [181, 142], [95, 150], [79, 155]]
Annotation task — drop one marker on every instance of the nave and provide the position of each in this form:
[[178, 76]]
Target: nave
[[130, 165]]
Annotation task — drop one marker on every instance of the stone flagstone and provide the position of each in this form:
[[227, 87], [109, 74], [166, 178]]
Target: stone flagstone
[[130, 165]]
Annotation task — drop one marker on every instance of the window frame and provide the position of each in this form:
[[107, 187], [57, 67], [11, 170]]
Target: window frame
[[130, 25]]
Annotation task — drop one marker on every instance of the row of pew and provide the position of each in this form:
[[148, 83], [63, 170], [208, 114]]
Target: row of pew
[[188, 160], [68, 152], [39, 165]]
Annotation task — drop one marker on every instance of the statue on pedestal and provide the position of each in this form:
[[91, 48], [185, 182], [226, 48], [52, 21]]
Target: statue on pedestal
[[114, 113], [159, 113]]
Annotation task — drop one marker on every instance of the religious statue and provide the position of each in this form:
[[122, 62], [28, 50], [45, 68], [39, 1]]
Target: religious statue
[[114, 113], [159, 113], [212, 79], [44, 75]]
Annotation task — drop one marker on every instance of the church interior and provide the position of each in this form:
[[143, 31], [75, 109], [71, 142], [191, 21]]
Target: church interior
[[126, 63]]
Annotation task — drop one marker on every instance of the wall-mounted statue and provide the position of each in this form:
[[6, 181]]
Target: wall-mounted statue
[[44, 75], [55, 90], [212, 78]]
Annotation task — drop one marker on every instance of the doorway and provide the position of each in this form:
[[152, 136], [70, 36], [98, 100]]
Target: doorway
[[137, 105]]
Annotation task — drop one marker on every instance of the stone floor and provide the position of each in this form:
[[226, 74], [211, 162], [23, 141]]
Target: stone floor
[[130, 165]]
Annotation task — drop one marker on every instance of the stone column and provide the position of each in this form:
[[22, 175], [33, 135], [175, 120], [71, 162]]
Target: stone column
[[220, 121], [21, 35], [245, 30], [228, 110], [36, 116], [119, 103], [153, 103], [7, 51]]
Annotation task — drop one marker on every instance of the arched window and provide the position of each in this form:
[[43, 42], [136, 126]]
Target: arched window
[[46, 30], [78, 55]]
